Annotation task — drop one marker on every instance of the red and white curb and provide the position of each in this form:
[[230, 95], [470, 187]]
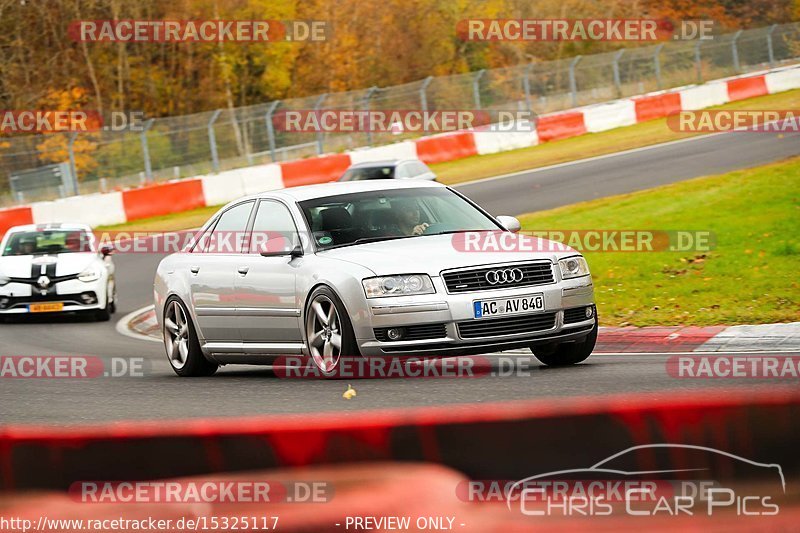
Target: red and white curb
[[142, 324]]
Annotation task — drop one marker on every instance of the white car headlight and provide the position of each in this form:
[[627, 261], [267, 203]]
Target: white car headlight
[[3, 280], [90, 274], [573, 267], [400, 285]]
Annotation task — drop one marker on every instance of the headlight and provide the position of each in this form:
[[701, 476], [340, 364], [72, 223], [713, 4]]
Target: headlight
[[89, 275], [3, 280], [573, 267], [400, 285]]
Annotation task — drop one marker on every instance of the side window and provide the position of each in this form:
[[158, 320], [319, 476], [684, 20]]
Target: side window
[[274, 229], [228, 235]]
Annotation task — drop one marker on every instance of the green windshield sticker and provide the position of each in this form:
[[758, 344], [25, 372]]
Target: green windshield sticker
[[325, 240]]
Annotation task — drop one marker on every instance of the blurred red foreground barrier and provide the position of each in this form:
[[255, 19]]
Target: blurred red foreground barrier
[[484, 441], [410, 491]]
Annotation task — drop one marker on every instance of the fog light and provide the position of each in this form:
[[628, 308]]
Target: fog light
[[395, 334], [3, 303], [589, 312], [88, 298]]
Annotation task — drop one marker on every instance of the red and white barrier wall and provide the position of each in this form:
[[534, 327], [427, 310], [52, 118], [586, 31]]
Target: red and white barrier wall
[[216, 189]]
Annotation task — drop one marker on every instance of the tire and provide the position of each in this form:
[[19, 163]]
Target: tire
[[104, 314], [112, 308], [326, 320], [570, 353], [181, 344]]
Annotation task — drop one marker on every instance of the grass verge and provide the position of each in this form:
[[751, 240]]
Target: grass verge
[[750, 276]]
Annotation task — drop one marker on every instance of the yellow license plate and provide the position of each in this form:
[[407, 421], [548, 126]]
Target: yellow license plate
[[45, 308]]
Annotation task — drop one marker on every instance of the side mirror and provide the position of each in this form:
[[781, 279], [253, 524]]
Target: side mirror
[[106, 250], [510, 223], [297, 251]]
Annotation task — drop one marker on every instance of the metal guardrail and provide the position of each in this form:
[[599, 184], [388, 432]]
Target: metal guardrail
[[208, 142]]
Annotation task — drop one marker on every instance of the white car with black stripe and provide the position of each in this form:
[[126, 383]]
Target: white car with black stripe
[[55, 268]]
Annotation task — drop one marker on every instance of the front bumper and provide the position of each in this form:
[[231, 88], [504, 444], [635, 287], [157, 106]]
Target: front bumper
[[454, 309], [15, 298]]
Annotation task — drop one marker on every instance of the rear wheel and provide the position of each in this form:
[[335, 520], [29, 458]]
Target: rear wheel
[[329, 333], [568, 353], [180, 341]]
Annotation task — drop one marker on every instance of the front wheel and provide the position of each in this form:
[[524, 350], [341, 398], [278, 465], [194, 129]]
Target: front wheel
[[569, 353], [180, 341], [329, 332]]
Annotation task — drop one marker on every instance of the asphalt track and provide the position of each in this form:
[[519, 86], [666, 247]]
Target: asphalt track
[[159, 394]]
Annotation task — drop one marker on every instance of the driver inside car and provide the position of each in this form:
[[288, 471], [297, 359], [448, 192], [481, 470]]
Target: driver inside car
[[409, 219]]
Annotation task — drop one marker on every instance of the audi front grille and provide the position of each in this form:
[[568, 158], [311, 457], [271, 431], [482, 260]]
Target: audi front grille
[[499, 277]]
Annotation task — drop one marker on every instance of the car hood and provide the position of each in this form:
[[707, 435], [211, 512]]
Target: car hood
[[434, 253], [21, 266]]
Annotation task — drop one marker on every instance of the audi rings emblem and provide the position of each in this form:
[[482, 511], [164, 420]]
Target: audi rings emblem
[[507, 275]]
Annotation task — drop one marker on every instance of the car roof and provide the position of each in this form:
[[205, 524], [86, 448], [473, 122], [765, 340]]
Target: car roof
[[49, 226], [308, 192]]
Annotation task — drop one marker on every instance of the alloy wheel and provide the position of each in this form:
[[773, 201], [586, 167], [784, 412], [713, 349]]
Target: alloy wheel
[[176, 334], [323, 328]]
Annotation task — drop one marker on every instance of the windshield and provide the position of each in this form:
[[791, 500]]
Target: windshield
[[47, 242], [383, 215], [371, 173]]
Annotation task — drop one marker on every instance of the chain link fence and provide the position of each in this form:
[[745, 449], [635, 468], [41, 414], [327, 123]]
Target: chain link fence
[[182, 146]]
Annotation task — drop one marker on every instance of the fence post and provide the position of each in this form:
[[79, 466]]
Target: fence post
[[212, 140], [365, 107], [72, 168], [698, 61], [615, 68], [270, 129], [657, 65], [476, 87], [423, 97], [526, 85], [148, 167], [320, 135], [770, 50], [735, 51], [573, 84]]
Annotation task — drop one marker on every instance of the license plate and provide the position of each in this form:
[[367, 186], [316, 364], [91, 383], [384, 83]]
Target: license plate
[[46, 308], [508, 306]]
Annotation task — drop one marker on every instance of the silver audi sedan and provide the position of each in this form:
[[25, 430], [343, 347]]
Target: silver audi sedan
[[369, 269]]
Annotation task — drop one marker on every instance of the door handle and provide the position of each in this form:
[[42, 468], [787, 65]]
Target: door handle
[[194, 269], [243, 270]]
